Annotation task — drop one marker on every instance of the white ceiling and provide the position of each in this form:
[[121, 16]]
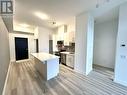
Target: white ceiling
[[60, 11]]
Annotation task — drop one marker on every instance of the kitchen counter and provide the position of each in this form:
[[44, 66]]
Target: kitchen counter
[[68, 58], [68, 53], [44, 56], [46, 64]]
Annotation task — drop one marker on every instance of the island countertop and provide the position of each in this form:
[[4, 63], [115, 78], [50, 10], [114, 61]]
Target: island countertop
[[44, 56]]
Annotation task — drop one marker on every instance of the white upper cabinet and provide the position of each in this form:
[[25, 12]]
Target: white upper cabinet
[[71, 31], [61, 30], [72, 36], [66, 33]]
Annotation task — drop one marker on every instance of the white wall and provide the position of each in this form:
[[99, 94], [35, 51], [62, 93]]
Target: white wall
[[43, 37], [71, 25], [84, 43], [31, 44], [36, 33], [8, 21], [90, 42], [54, 36], [121, 51], [4, 54], [71, 30], [105, 35], [23, 28], [41, 33]]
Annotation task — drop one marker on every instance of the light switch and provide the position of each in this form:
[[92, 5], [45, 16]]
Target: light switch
[[123, 45]]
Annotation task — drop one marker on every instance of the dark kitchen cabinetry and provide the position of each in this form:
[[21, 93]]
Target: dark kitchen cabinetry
[[63, 58]]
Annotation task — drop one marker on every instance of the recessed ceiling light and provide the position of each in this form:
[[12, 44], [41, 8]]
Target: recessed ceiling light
[[42, 16]]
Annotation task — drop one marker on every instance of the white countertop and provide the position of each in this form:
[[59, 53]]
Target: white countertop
[[44, 56], [69, 53]]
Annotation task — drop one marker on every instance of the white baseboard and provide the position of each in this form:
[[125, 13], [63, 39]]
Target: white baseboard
[[24, 60], [5, 84], [124, 83]]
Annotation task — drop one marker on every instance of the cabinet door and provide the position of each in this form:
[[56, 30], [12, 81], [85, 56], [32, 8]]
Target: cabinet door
[[72, 36], [70, 61], [63, 58]]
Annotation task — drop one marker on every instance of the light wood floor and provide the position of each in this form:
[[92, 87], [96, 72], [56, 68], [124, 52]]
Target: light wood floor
[[106, 72], [25, 80]]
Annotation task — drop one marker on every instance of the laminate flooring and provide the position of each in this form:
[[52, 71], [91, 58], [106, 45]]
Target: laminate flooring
[[106, 72], [24, 79]]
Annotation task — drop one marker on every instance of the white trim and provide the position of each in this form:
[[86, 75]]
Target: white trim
[[24, 60], [80, 72], [5, 84], [121, 82]]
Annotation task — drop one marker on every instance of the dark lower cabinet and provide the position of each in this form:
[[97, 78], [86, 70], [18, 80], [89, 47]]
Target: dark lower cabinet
[[63, 58]]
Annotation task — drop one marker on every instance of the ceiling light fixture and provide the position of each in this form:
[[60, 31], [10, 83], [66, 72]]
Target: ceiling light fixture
[[42, 16]]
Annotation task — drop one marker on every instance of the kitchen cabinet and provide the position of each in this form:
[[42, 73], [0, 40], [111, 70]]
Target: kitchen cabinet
[[64, 33], [63, 58], [70, 60], [66, 39], [61, 32], [71, 36]]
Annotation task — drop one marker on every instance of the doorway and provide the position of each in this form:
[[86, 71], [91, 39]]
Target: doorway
[[51, 46], [105, 37], [37, 45], [21, 48]]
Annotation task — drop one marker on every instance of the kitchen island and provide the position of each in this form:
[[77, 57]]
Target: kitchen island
[[46, 64]]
